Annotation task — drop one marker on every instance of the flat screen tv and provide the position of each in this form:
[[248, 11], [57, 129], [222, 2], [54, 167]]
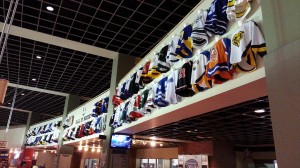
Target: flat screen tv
[[121, 141]]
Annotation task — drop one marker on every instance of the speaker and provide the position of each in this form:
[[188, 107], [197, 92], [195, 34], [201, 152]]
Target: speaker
[[102, 137]]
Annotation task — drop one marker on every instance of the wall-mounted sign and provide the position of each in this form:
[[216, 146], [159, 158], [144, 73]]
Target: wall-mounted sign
[[3, 144]]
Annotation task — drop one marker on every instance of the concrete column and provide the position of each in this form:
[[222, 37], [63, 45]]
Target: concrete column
[[281, 30], [121, 66], [71, 102]]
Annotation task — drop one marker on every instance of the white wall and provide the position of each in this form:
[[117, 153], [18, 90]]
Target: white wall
[[14, 136]]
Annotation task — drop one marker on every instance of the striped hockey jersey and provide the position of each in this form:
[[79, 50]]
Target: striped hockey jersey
[[216, 20], [160, 96], [218, 67], [246, 43], [199, 34], [185, 45], [163, 66], [238, 9], [153, 67], [199, 79]]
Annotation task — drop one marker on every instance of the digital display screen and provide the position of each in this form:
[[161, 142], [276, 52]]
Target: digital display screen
[[121, 141]]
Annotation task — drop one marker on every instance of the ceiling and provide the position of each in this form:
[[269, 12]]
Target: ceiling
[[238, 124], [18, 118], [128, 27]]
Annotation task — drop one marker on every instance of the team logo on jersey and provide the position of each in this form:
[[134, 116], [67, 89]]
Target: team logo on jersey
[[213, 54], [236, 40]]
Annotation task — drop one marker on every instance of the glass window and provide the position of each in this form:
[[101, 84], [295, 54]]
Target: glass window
[[160, 163], [174, 163], [152, 163]]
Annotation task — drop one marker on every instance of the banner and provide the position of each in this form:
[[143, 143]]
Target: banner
[[3, 144]]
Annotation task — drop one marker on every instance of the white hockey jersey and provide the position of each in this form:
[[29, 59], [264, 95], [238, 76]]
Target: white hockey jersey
[[171, 54], [199, 34], [171, 96], [246, 43]]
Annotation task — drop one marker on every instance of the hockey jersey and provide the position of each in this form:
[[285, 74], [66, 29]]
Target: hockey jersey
[[134, 85], [133, 107], [171, 53], [199, 80], [162, 65], [104, 105], [184, 87], [171, 96], [216, 20], [160, 96], [184, 47], [218, 67], [153, 68], [199, 34], [146, 79], [149, 105], [138, 79], [237, 9], [96, 110], [246, 43], [144, 97]]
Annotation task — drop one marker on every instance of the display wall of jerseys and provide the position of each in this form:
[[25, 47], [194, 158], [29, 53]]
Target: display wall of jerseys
[[88, 119], [193, 61], [46, 133]]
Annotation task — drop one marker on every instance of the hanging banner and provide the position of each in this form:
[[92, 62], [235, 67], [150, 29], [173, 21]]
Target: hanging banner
[[3, 144], [3, 88]]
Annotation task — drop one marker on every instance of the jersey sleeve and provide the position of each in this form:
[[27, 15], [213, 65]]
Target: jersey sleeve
[[258, 43]]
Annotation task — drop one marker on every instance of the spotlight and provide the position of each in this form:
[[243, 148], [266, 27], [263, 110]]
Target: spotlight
[[50, 8], [153, 143], [86, 148], [260, 111], [80, 148], [38, 57], [161, 145], [44, 151]]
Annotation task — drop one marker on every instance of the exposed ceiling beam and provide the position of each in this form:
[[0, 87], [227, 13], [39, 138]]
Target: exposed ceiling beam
[[61, 42], [49, 115], [37, 89], [15, 109]]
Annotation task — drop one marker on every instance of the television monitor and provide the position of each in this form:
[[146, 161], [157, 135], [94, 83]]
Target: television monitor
[[121, 141]]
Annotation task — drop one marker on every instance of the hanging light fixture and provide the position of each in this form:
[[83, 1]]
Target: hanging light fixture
[[93, 148], [98, 149]]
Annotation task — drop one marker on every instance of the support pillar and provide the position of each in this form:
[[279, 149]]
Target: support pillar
[[71, 102], [121, 66], [281, 29]]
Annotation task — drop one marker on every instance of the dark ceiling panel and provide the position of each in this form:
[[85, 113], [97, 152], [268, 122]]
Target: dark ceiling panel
[[59, 69], [78, 19], [238, 124]]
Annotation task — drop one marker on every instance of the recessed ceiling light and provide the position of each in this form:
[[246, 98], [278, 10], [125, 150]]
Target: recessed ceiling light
[[260, 111], [22, 94], [189, 131], [153, 138], [33, 79], [38, 57], [8, 103], [50, 8]]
